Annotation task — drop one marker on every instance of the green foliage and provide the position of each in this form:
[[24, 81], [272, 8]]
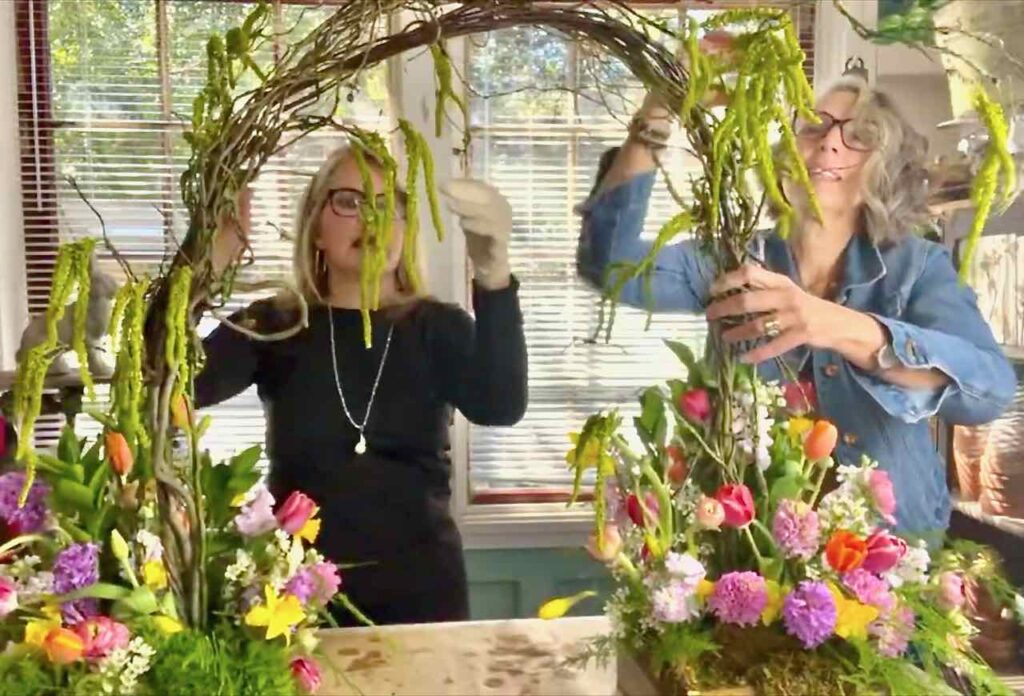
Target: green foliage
[[21, 674], [224, 662], [222, 484]]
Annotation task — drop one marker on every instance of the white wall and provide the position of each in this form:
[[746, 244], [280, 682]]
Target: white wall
[[924, 100], [12, 275]]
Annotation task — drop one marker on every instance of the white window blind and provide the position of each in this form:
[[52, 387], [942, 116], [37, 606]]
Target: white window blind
[[543, 111], [106, 88]]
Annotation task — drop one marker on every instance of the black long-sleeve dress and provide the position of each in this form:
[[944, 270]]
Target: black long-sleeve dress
[[387, 508]]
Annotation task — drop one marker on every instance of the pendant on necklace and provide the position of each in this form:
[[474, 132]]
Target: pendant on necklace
[[361, 445]]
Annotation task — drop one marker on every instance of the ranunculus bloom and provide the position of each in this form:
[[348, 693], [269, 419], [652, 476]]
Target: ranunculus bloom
[[650, 509], [119, 454], [677, 465], [8, 597], [63, 646], [710, 514], [884, 551], [737, 504], [821, 441], [695, 405], [609, 546], [100, 635], [296, 511], [883, 494], [845, 551], [307, 673], [951, 590]]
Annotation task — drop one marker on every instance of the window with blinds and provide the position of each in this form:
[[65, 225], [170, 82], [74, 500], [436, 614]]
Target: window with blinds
[[544, 110], [106, 88]]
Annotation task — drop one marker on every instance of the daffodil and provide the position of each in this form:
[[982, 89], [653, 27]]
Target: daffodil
[[309, 530], [557, 608], [776, 595], [279, 614], [705, 588], [798, 427], [852, 617], [166, 625], [154, 575]]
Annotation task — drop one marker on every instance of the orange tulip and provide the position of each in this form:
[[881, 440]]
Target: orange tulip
[[119, 453], [63, 646], [820, 442], [845, 551]]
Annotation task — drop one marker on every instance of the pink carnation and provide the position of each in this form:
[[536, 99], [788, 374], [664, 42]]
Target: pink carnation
[[739, 598]]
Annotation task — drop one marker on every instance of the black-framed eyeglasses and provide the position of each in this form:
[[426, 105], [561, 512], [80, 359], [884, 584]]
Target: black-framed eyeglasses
[[347, 202], [857, 134]]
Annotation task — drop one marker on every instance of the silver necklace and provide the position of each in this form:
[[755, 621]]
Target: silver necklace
[[361, 445]]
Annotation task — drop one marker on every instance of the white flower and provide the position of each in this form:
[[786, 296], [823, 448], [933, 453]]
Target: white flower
[[674, 603], [840, 510], [152, 547], [686, 569], [243, 570], [121, 669], [912, 568]]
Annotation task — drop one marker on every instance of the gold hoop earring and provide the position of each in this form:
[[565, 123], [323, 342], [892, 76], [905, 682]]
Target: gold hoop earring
[[320, 262]]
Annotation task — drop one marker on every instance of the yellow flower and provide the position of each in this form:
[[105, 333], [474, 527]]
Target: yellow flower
[[776, 593], [154, 575], [588, 457], [798, 427], [167, 625], [239, 499], [37, 630], [279, 614], [557, 608], [309, 530], [705, 588], [852, 617]]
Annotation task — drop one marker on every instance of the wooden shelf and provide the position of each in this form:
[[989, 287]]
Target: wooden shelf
[[972, 509]]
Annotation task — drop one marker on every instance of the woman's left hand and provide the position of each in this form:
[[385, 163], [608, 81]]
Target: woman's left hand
[[788, 316], [486, 219]]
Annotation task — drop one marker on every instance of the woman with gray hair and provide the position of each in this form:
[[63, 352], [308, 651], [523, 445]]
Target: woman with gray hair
[[871, 317], [364, 432]]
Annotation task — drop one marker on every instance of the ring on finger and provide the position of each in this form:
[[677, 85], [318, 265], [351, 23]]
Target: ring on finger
[[772, 327]]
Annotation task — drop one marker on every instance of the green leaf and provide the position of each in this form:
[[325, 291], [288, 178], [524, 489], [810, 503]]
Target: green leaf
[[77, 533], [246, 460], [651, 424], [98, 480], [73, 494], [140, 601], [788, 487], [68, 449], [99, 590], [684, 354], [102, 418], [48, 462]]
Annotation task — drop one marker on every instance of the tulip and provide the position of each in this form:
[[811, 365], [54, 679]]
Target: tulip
[[883, 494], [695, 405], [821, 441], [557, 608], [119, 453], [737, 504], [63, 646], [8, 597], [307, 673], [296, 511], [884, 551], [649, 512], [845, 551]]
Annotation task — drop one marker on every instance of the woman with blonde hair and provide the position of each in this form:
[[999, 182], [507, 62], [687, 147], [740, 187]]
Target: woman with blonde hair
[[364, 432], [871, 317]]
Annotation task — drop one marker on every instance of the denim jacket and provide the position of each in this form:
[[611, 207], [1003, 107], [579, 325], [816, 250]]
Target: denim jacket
[[910, 287]]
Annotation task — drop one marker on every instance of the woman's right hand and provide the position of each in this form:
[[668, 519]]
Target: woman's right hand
[[233, 233]]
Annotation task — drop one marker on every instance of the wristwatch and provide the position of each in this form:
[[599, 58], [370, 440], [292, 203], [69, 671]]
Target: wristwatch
[[885, 358]]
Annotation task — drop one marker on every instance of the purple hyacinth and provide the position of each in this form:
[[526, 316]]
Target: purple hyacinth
[[796, 529], [739, 598], [303, 584], [869, 589], [809, 612], [76, 567], [27, 519]]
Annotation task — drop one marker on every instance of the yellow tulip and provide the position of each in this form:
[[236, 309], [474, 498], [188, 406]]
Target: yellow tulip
[[557, 608]]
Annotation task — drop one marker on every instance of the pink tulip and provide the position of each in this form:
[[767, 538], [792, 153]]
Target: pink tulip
[[737, 504], [307, 673], [883, 494], [295, 512], [607, 551], [695, 405], [800, 396], [710, 513], [951, 590], [101, 635], [8, 597], [884, 552]]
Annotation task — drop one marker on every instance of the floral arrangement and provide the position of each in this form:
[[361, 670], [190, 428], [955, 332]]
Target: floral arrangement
[[85, 597], [776, 567]]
